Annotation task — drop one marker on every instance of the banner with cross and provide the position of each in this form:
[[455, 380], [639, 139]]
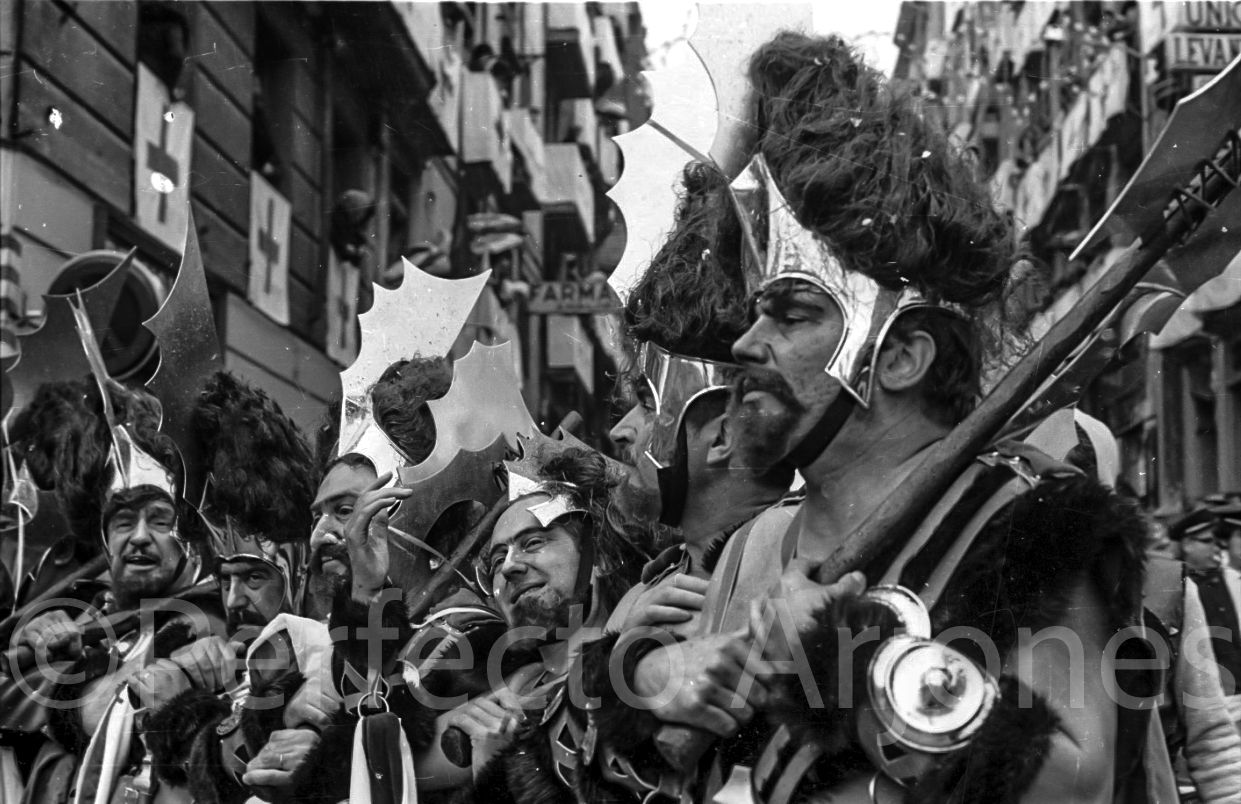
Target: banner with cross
[[163, 140], [269, 249], [341, 311]]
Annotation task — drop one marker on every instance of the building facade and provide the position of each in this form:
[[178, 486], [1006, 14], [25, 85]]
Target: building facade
[[1060, 102], [317, 144]]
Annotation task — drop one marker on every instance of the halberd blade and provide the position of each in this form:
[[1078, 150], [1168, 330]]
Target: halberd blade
[[1195, 129], [189, 353], [53, 352]]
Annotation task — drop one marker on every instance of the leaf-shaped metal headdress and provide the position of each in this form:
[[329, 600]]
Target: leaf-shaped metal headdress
[[189, 353], [483, 402], [699, 112], [420, 318]]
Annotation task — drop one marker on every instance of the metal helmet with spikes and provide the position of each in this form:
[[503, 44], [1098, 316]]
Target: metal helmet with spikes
[[260, 474], [792, 252]]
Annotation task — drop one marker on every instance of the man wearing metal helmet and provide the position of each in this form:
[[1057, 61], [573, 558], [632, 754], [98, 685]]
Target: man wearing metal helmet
[[96, 688], [558, 556], [252, 525], [681, 317], [875, 258]]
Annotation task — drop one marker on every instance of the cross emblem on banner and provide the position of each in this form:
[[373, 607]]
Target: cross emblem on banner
[[268, 247], [161, 161]]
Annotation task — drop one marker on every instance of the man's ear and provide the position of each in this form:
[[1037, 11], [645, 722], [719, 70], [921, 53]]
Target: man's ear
[[905, 361], [722, 441]]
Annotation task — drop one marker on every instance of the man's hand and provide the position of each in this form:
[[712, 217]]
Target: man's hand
[[210, 663], [158, 682], [52, 636], [490, 725], [366, 537], [712, 682], [280, 766], [313, 705], [793, 601], [667, 603]]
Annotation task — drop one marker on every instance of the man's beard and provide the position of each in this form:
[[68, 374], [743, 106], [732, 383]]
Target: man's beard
[[129, 587], [549, 610], [328, 584], [763, 435]]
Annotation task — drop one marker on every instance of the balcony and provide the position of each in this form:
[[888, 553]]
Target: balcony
[[570, 49], [528, 143], [485, 134], [570, 204], [577, 122], [424, 22]]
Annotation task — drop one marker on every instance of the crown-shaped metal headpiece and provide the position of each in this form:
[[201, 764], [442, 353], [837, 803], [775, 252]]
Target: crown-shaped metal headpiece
[[229, 541], [525, 477]]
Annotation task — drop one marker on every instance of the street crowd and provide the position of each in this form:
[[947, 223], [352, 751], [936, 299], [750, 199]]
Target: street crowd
[[246, 611]]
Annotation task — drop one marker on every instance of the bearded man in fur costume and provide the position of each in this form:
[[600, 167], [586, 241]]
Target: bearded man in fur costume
[[253, 526], [126, 494], [877, 260]]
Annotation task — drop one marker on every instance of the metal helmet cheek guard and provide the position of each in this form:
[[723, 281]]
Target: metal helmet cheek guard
[[792, 252], [675, 382]]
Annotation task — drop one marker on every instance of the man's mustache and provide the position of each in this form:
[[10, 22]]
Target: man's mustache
[[328, 552], [767, 381], [240, 617]]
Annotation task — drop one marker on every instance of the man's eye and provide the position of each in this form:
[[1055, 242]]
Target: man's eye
[[256, 580], [532, 543], [344, 510]]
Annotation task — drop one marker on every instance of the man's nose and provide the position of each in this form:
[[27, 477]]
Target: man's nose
[[750, 348], [142, 533], [625, 433], [513, 566], [327, 531], [236, 598]]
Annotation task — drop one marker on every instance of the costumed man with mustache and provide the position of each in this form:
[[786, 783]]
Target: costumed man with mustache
[[389, 656], [879, 259], [682, 317], [399, 399], [253, 528], [90, 694]]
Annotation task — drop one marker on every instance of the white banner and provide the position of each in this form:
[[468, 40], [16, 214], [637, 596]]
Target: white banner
[[163, 141], [342, 310], [269, 249]]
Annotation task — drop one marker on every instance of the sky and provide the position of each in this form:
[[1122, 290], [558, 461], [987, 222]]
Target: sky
[[868, 24]]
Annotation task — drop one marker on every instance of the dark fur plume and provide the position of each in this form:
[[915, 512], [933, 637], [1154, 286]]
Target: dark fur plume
[[262, 470]]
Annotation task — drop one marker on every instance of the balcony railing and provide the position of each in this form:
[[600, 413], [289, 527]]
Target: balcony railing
[[570, 196], [528, 142], [485, 132], [571, 49]]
